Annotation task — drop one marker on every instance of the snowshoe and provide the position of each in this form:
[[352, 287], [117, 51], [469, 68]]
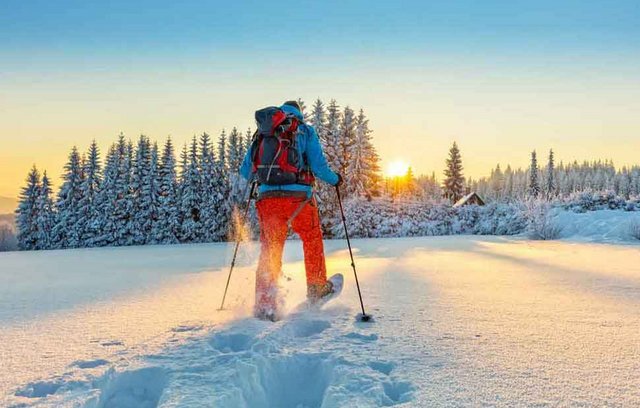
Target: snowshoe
[[318, 295], [266, 315]]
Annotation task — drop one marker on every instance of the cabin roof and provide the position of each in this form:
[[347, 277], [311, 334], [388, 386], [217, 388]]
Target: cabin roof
[[466, 199]]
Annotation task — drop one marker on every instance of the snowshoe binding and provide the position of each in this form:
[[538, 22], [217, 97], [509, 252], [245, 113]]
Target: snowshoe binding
[[267, 315], [318, 295]]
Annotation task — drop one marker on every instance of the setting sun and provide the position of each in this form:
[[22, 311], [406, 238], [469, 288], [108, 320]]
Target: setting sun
[[397, 168]]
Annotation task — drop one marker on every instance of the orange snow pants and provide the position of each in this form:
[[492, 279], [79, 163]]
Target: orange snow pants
[[274, 216]]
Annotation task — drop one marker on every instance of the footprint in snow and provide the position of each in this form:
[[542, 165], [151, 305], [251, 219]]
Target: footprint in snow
[[308, 328], [361, 337], [231, 342], [397, 392], [110, 343], [186, 328], [39, 389], [283, 380], [383, 367], [84, 364]]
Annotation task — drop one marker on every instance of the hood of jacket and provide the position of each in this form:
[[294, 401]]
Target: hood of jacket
[[292, 111]]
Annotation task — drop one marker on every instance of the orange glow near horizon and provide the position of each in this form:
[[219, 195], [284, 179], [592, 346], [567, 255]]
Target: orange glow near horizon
[[397, 168]]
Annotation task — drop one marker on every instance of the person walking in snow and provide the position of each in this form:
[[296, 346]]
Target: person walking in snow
[[285, 158]]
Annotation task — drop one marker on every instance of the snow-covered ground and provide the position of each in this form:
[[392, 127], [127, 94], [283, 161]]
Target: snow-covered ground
[[459, 321], [610, 226]]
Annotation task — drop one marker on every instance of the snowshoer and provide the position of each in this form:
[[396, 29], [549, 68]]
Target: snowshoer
[[285, 157]]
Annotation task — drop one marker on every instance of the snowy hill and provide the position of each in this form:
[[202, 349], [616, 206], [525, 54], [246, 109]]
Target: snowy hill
[[459, 321]]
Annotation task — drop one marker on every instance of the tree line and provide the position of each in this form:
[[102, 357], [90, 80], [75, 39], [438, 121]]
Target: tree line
[[141, 194], [551, 180], [546, 181]]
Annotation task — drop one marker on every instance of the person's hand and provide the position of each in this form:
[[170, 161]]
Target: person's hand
[[340, 181]]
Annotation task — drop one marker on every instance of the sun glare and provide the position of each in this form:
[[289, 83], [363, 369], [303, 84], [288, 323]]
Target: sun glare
[[397, 168]]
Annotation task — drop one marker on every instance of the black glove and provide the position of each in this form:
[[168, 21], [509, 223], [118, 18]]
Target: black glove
[[340, 181]]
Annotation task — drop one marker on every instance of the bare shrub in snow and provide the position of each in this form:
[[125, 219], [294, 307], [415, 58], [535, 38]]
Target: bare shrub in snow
[[7, 238], [541, 223]]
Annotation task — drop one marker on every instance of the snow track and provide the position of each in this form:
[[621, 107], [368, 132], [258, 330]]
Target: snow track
[[306, 360]]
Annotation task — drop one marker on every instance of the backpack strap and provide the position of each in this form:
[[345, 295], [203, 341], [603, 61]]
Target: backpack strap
[[305, 175], [255, 150]]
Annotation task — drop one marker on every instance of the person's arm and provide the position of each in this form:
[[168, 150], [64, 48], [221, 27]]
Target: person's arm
[[247, 164], [317, 161]]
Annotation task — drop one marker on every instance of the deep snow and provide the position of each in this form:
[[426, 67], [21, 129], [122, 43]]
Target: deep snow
[[458, 321]]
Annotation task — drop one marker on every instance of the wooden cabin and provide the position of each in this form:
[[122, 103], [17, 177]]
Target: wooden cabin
[[470, 199]]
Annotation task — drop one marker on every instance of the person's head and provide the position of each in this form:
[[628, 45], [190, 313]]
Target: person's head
[[294, 104]]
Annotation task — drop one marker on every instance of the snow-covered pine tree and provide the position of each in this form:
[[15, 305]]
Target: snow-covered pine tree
[[453, 185], [534, 185], [237, 184], [208, 189], [508, 183], [116, 201], [222, 204], [190, 200], [46, 215], [303, 110], [497, 183], [233, 150], [410, 187], [89, 216], [182, 180], [624, 183], [550, 182], [347, 143], [330, 140], [248, 140], [27, 212], [423, 187], [107, 200], [152, 193], [125, 212], [318, 119], [66, 233], [635, 181], [222, 149], [142, 193], [363, 167], [167, 227], [242, 149]]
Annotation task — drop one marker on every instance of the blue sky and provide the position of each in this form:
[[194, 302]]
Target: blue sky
[[512, 74], [167, 29]]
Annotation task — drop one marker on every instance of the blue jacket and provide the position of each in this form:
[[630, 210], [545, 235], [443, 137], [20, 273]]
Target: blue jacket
[[309, 143]]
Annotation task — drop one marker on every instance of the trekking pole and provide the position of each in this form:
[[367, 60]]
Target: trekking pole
[[238, 239], [365, 317]]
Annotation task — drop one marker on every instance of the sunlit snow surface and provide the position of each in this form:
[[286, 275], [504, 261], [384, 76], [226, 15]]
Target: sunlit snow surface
[[459, 321]]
